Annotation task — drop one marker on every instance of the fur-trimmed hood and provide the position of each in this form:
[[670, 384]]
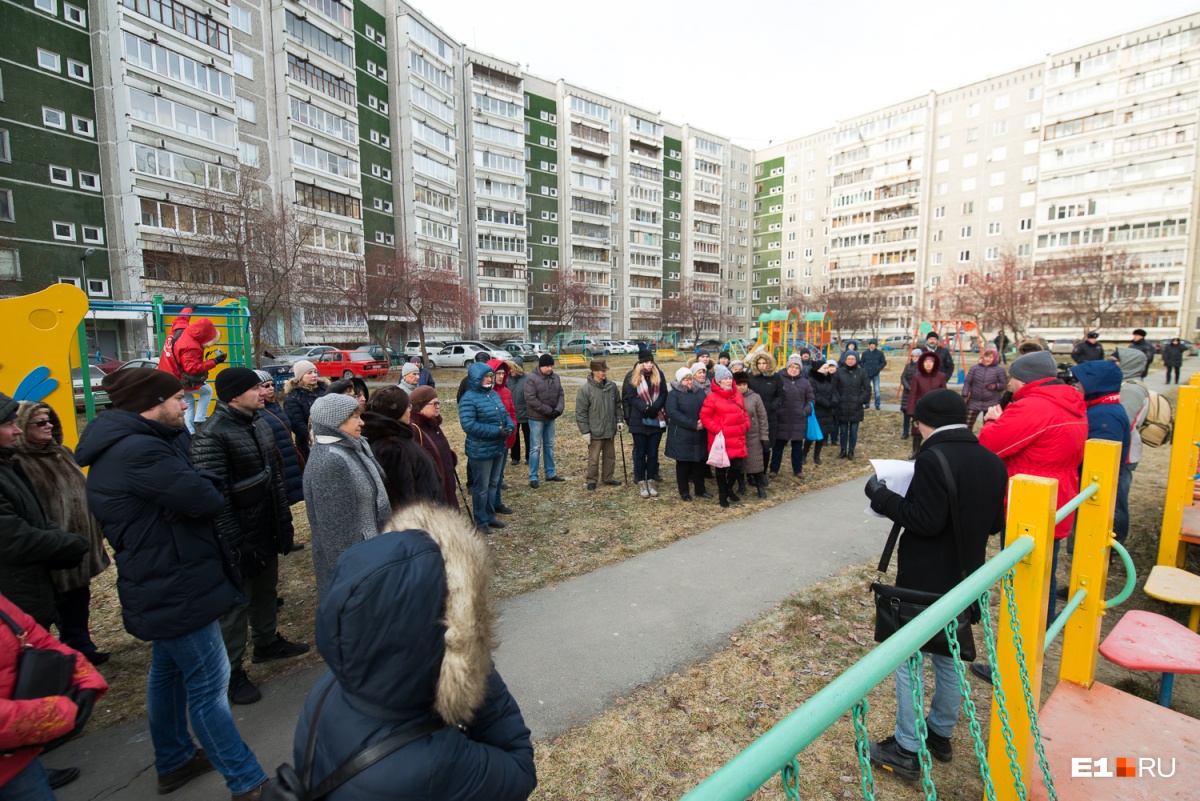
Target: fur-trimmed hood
[[752, 360], [25, 414], [294, 383], [406, 621]]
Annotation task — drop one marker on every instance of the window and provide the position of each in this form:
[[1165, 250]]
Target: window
[[5, 153], [993, 229], [82, 126], [939, 212], [1033, 120], [968, 184], [60, 175], [243, 65], [169, 64], [92, 234], [49, 6], [999, 153], [943, 141], [240, 19], [10, 265], [964, 256], [246, 110], [970, 159], [53, 118], [89, 181], [972, 134], [996, 178], [1000, 127], [387, 174], [968, 207], [1027, 224], [964, 232], [376, 170], [49, 61], [97, 287], [6, 211], [186, 20], [973, 110], [64, 231], [248, 154], [937, 258], [1025, 249], [78, 70], [992, 253], [74, 15]]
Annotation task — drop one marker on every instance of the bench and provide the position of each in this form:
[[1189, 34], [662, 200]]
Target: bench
[[1189, 530], [1149, 642], [665, 355], [1176, 586], [572, 360]]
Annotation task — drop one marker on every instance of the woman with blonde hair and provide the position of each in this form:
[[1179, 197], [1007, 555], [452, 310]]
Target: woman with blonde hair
[[299, 395]]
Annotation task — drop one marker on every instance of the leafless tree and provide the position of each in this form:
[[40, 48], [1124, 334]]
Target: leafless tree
[[694, 311], [848, 309], [1093, 285], [1000, 296], [568, 305]]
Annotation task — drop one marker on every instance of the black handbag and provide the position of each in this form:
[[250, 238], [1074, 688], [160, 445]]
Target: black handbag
[[291, 786], [41, 672], [252, 491], [896, 606]]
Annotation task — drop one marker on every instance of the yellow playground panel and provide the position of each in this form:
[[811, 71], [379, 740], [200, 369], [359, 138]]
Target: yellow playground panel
[[780, 331]]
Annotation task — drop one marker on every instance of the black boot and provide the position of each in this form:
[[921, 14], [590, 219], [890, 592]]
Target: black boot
[[762, 486], [729, 482], [817, 453], [722, 491], [741, 483]]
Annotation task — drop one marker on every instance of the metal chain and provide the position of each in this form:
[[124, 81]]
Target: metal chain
[[1010, 597], [790, 775], [969, 709], [864, 750], [1014, 762], [917, 689]]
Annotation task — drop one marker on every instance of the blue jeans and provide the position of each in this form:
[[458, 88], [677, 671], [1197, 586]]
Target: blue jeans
[[847, 435], [1121, 514], [189, 677], [30, 784], [645, 454], [541, 437], [496, 501], [485, 487], [943, 709], [875, 385], [197, 401]]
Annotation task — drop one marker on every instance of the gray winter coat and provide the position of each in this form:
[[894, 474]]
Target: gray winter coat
[[759, 432], [516, 385], [1135, 398], [598, 408], [544, 398], [345, 498]]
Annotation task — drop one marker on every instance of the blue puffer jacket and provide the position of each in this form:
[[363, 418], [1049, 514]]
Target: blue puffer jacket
[[1101, 382], [685, 442], [293, 476], [174, 573], [483, 417], [402, 646]]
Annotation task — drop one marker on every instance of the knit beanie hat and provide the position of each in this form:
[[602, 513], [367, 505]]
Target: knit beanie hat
[[915, 352], [139, 388], [740, 377], [725, 354], [597, 365], [8, 408], [545, 360], [829, 363], [409, 369], [941, 407], [301, 367], [682, 373], [264, 376], [391, 402], [233, 381], [1034, 367], [415, 360], [421, 397], [794, 359], [721, 372], [330, 411], [702, 352], [644, 355], [699, 367]]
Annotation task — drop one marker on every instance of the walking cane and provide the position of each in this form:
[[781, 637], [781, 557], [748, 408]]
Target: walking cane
[[624, 469], [466, 505]]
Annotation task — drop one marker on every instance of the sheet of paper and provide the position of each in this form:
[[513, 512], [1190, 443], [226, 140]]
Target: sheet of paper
[[898, 473]]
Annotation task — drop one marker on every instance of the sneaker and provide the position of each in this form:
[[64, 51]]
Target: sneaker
[[497, 524], [241, 689], [983, 670], [533, 484], [503, 510], [645, 489], [196, 766], [653, 491], [61, 777], [556, 478], [938, 745], [591, 486], [890, 755], [280, 649]]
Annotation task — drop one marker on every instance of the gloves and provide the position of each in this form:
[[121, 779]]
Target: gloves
[[587, 439], [874, 485], [557, 413], [84, 699], [220, 356]]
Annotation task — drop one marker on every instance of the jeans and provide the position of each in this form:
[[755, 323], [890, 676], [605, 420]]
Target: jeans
[[541, 433], [497, 502], [797, 455], [485, 486], [875, 386], [1121, 514], [1169, 369], [645, 454], [907, 424], [259, 611], [189, 676], [197, 401], [847, 435], [943, 709], [515, 453], [30, 784], [74, 609], [1052, 604]]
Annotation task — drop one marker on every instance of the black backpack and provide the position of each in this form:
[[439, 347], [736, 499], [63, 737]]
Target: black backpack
[[290, 786]]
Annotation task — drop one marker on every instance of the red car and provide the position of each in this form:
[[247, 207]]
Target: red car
[[350, 363]]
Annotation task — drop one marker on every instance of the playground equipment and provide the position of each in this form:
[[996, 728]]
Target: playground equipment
[[572, 348], [1081, 718], [665, 343], [1181, 518], [780, 332]]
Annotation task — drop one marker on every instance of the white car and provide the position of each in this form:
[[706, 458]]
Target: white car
[[308, 352], [462, 355], [620, 346]]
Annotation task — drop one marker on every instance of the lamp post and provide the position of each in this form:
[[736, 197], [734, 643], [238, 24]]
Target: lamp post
[[83, 268], [89, 402]]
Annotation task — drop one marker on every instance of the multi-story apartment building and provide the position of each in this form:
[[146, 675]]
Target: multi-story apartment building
[[541, 201], [52, 221]]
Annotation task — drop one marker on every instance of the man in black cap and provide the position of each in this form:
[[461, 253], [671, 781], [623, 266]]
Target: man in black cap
[[237, 445], [1139, 343], [544, 403], [1089, 350], [936, 552]]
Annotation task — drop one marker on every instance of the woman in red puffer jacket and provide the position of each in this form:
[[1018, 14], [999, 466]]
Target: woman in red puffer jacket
[[724, 411]]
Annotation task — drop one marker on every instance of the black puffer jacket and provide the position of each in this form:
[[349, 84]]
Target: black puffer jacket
[[293, 472], [825, 399], [174, 573], [410, 474], [854, 390], [30, 545], [1172, 355], [239, 448], [768, 385], [298, 404], [685, 442]]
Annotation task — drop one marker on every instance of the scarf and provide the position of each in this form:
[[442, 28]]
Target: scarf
[[649, 394], [1112, 397]]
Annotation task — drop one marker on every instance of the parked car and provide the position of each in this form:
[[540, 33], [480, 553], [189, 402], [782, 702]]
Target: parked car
[[105, 364], [619, 346], [1063, 345], [413, 347], [350, 363], [1189, 348], [151, 362], [710, 345], [897, 342], [524, 351], [585, 346], [462, 354], [99, 396], [377, 352], [309, 352]]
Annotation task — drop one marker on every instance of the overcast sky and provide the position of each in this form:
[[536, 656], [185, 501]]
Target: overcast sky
[[728, 67]]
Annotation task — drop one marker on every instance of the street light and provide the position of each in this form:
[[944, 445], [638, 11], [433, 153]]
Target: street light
[[83, 268]]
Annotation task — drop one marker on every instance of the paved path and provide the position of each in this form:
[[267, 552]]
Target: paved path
[[568, 651]]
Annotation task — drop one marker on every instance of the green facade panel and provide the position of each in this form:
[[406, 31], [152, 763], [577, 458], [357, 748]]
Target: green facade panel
[[543, 226], [373, 154], [672, 214]]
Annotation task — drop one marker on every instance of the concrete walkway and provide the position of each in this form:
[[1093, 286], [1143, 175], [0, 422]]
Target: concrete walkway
[[570, 650]]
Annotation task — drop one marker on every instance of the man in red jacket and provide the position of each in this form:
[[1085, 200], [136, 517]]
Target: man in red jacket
[[183, 357]]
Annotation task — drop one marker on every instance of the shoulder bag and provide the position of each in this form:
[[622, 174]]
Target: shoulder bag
[[896, 606], [41, 672]]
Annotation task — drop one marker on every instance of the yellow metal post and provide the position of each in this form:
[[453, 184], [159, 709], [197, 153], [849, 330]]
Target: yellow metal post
[[1089, 562], [1180, 481], [1031, 509]]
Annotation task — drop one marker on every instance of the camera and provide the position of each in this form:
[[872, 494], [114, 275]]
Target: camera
[[1065, 375]]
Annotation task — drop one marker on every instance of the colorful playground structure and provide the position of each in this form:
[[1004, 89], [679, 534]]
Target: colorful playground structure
[[780, 332]]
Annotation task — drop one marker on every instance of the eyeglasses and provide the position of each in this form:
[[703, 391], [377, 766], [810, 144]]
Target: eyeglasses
[[43, 423], [434, 403], [267, 385]]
